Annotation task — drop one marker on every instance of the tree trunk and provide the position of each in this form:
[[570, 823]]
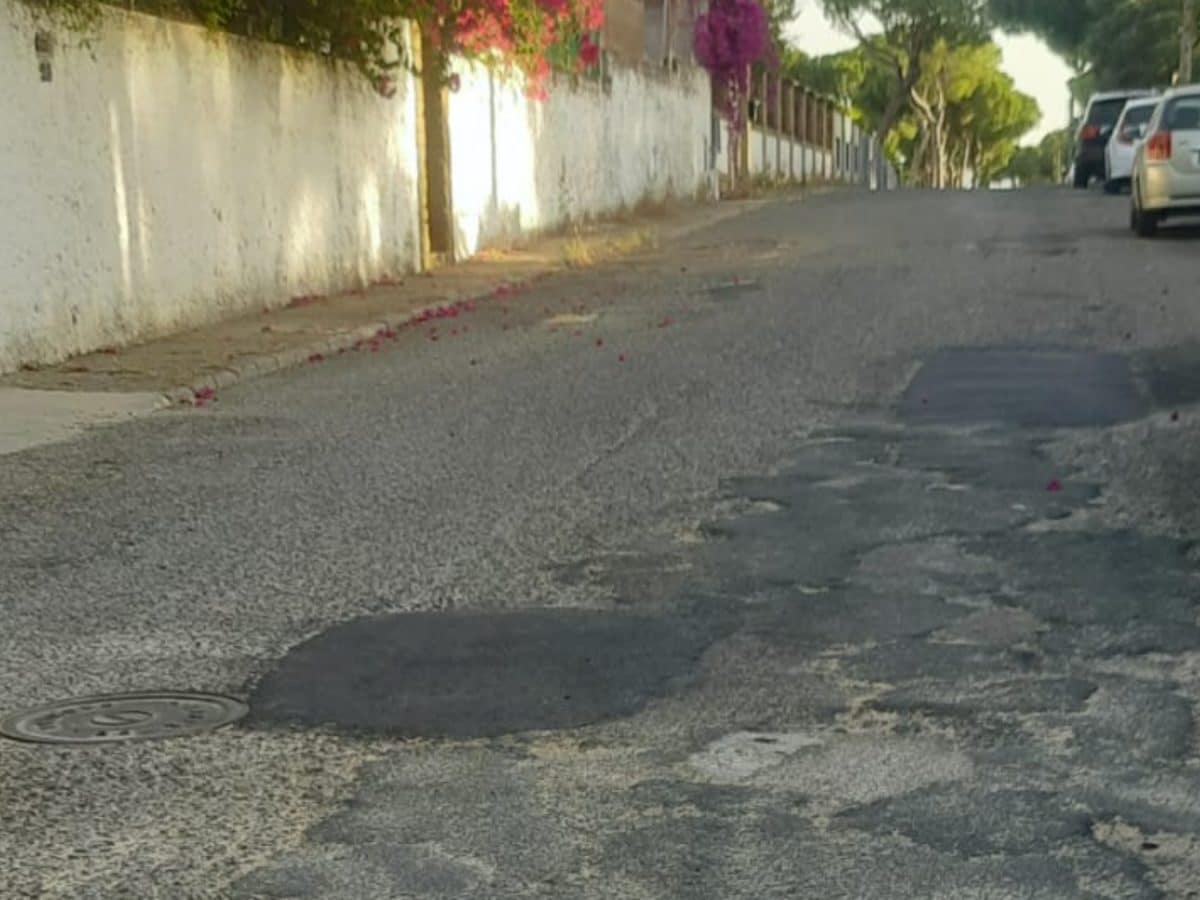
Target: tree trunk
[[926, 154], [907, 78], [940, 134], [1187, 41]]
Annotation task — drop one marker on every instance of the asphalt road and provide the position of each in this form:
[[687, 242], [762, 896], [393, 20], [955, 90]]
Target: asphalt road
[[844, 550]]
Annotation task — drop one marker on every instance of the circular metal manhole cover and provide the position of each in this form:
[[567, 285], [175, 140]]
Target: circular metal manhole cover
[[122, 717]]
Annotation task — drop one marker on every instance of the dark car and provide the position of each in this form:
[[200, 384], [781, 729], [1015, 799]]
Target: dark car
[[1095, 129]]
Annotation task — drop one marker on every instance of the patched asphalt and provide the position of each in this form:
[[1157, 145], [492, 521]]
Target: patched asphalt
[[474, 675], [735, 615]]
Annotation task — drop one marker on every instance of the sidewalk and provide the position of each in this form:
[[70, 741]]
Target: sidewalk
[[188, 368]]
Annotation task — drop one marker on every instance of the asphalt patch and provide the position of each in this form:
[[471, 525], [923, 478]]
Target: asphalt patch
[[1172, 374], [481, 674], [1030, 389]]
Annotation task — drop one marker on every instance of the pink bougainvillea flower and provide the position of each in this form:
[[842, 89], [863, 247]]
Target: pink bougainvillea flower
[[593, 15], [589, 52], [1054, 486], [205, 394], [316, 358]]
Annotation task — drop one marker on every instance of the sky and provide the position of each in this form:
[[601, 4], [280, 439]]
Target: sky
[[1036, 70]]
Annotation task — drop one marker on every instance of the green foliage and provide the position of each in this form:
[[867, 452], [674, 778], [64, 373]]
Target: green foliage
[[367, 33], [962, 115], [840, 75], [779, 14], [1134, 44], [1043, 164], [1121, 43], [951, 20], [73, 15], [1026, 167], [971, 116], [1063, 24], [909, 30]]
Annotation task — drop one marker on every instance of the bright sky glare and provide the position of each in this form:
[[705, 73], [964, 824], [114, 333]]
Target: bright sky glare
[[1036, 70]]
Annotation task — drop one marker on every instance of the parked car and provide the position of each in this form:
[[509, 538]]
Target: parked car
[[1166, 165], [1095, 128], [1121, 147]]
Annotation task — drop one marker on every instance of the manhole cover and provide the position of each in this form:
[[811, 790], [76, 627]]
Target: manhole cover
[[122, 717]]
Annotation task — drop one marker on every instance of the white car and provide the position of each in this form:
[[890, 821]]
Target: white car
[[1166, 167], [1122, 146]]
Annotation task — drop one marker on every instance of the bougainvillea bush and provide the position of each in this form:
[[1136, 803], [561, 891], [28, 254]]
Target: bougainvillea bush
[[534, 37], [731, 37]]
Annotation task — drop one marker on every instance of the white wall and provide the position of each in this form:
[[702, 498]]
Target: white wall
[[805, 160], [520, 165], [169, 177], [795, 159]]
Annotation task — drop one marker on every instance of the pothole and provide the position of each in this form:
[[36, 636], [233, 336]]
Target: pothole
[[120, 718]]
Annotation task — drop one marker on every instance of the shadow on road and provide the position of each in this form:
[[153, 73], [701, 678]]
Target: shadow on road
[[1188, 232]]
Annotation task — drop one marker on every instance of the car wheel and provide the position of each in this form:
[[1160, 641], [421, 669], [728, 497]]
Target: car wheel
[[1111, 187], [1145, 224], [1082, 177]]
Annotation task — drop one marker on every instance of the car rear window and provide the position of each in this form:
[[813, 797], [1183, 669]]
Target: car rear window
[[1138, 115], [1183, 114], [1106, 112]]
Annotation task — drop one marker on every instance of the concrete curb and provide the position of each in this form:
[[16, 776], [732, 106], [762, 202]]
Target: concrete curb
[[269, 364]]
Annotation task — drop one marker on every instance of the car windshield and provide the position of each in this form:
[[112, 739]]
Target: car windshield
[[1183, 114], [1106, 112]]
